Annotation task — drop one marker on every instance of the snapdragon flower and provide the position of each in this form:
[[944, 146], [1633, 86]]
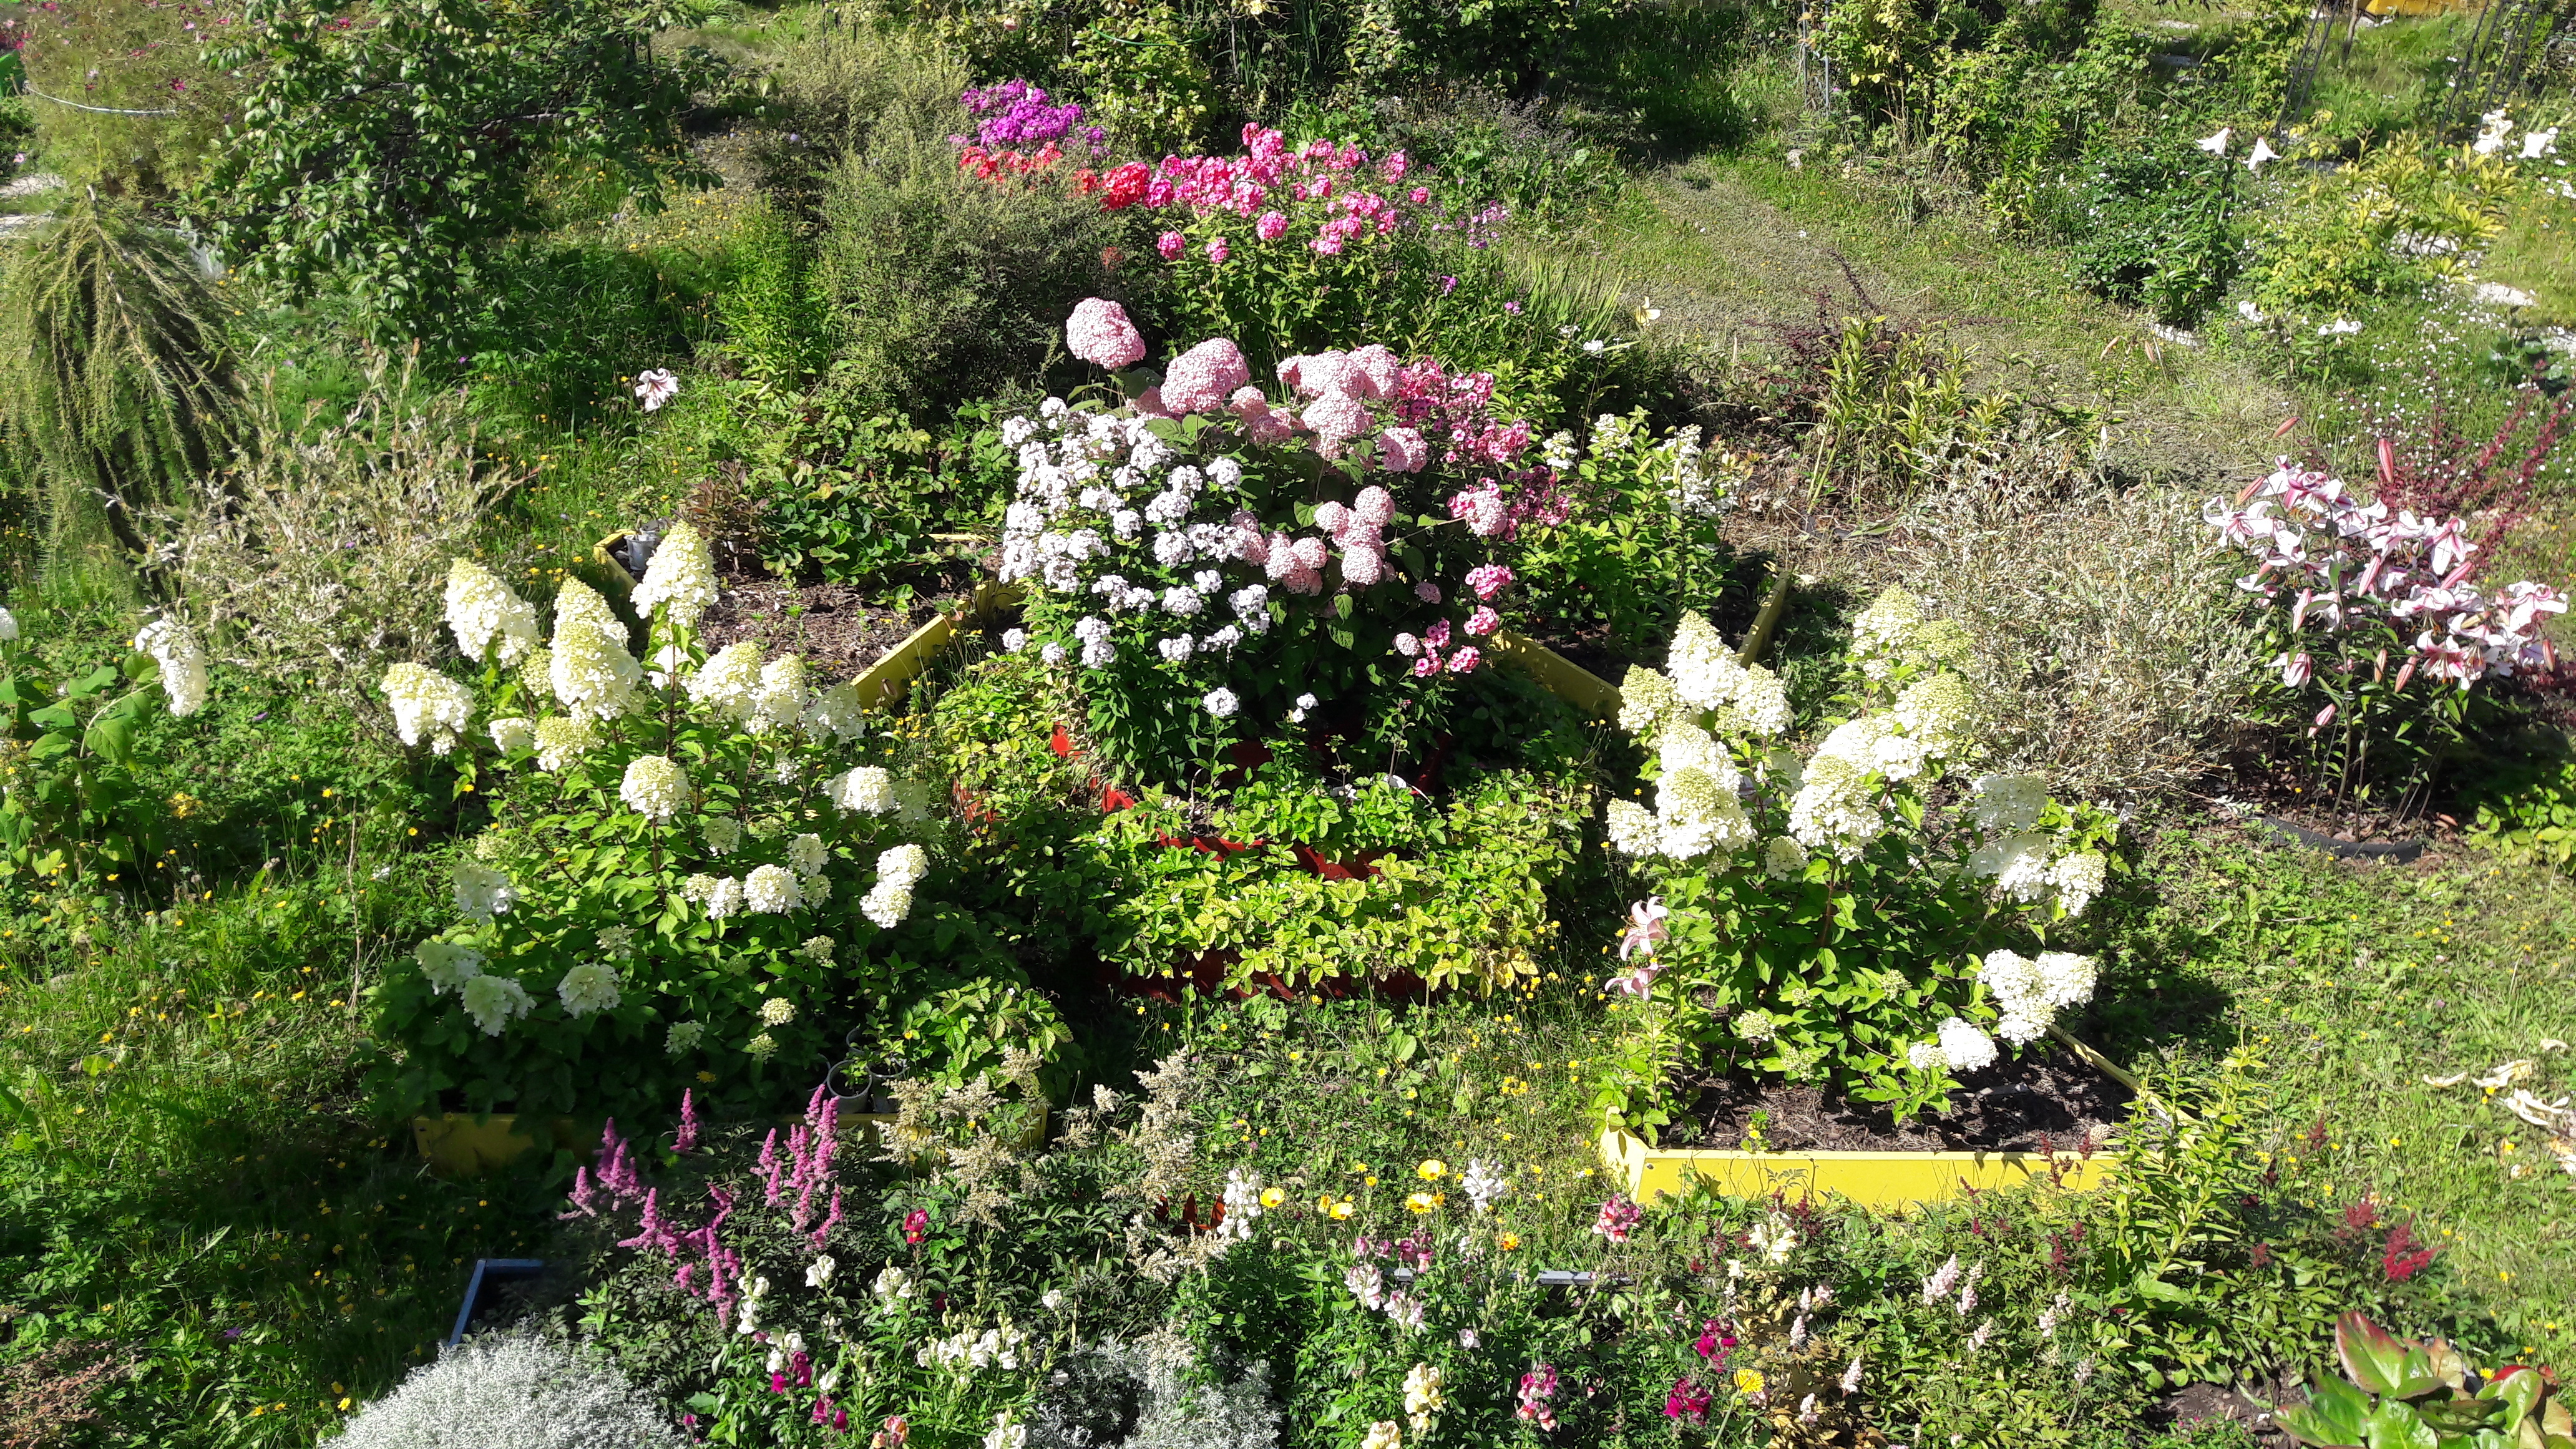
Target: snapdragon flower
[[681, 579], [427, 705], [492, 624]]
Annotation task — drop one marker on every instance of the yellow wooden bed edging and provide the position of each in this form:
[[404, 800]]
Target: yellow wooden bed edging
[[1871, 1179]]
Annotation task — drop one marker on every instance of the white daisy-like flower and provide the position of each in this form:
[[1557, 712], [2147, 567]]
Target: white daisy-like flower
[[655, 787], [587, 988]]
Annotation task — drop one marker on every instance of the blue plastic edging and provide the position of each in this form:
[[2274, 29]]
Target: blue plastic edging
[[496, 1271]]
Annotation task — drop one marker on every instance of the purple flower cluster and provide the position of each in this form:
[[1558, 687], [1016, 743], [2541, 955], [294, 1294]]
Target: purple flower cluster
[[1015, 114]]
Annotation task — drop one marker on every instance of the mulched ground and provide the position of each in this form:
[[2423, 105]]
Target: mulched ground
[[2243, 1404], [835, 626], [2046, 1097]]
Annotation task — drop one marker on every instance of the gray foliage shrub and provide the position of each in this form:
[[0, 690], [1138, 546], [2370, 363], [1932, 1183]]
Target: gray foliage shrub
[[512, 1391], [2109, 636], [1152, 1392]]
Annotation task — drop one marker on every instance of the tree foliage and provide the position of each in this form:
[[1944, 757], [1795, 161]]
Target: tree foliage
[[385, 154]]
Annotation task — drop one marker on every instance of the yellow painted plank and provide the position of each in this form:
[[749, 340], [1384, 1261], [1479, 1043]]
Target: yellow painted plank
[[455, 1143], [1872, 1179], [1559, 675]]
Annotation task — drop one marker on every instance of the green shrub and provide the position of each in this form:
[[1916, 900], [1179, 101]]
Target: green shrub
[[2526, 807], [2153, 230]]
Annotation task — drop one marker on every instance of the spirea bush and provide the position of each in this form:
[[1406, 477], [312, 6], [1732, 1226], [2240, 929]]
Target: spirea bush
[[1212, 561], [694, 871], [513, 1389], [1823, 919]]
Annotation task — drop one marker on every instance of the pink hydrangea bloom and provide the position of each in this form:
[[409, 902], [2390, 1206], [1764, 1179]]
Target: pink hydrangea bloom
[[1332, 518], [1407, 645], [1484, 621], [1150, 404], [1265, 424], [1293, 369], [1246, 397], [1375, 507], [1302, 580], [1270, 225], [1170, 244], [1279, 555], [1427, 591], [1402, 450], [1200, 379], [1309, 552], [1464, 661], [1336, 418], [1363, 565], [1372, 372], [1098, 332], [1489, 579]]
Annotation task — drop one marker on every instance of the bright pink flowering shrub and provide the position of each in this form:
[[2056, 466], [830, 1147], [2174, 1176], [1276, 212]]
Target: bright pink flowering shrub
[[1200, 379], [1099, 333]]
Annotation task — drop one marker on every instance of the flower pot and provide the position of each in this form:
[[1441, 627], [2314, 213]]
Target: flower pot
[[460, 1144], [1871, 1179]]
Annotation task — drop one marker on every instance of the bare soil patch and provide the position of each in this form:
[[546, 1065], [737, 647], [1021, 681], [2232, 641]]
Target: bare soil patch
[[2046, 1100]]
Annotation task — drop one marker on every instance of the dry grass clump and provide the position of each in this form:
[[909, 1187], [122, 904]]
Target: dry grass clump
[[2111, 640]]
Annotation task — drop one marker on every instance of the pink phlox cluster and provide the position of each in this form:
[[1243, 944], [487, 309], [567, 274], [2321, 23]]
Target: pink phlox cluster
[[1489, 579], [1015, 113], [2346, 562], [1537, 1387]]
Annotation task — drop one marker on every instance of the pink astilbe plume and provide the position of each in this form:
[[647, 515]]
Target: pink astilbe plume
[[687, 1140], [772, 1169], [831, 1220]]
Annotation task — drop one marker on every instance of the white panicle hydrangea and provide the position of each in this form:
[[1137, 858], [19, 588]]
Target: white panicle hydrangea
[[837, 712], [182, 661], [1836, 808], [1746, 701], [590, 671], [912, 801], [563, 739], [725, 898], [587, 988], [699, 888], [681, 579], [494, 1002], [1966, 1048], [865, 790], [445, 965], [777, 1011], [807, 854], [1881, 632], [684, 1037], [656, 787], [1646, 700], [492, 624], [1939, 712], [887, 902], [1633, 829], [818, 949], [2018, 865], [576, 601], [513, 733], [905, 865], [2066, 979], [1695, 802], [2010, 802], [8, 626], [515, 1389], [730, 682], [779, 703], [428, 706], [722, 833], [1782, 858], [771, 890], [618, 942], [481, 891], [2078, 879], [1926, 1056]]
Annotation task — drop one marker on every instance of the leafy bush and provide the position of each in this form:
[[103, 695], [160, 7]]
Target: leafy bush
[[2153, 229], [515, 1389], [607, 881], [73, 811], [2526, 807], [1825, 925], [1291, 886], [1641, 544]]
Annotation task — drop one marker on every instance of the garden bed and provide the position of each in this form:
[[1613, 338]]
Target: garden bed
[[839, 628], [2045, 1101]]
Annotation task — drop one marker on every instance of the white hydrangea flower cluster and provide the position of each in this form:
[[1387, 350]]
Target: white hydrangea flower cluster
[[1678, 465], [1704, 683], [427, 706], [2029, 865], [447, 965], [2031, 992], [587, 988], [865, 790], [774, 697], [1960, 1048], [681, 579], [174, 647], [588, 669], [889, 901], [562, 739], [493, 1002], [1699, 789], [656, 788], [1893, 635], [492, 624], [481, 892]]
